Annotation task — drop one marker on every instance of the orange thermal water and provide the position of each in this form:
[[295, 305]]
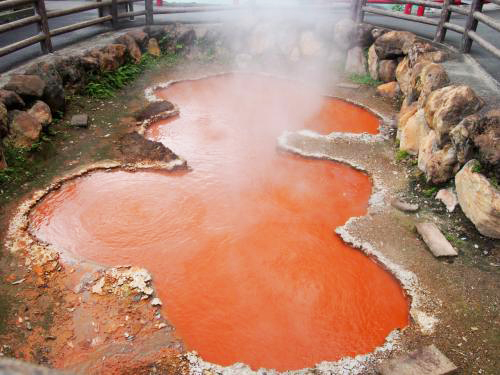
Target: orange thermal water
[[242, 248]]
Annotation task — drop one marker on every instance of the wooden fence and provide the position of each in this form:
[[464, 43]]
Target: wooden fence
[[114, 10], [473, 14]]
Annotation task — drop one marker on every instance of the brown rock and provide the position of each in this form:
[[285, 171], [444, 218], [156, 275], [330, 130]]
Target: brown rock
[[3, 162], [110, 57], [24, 128], [446, 107], [404, 206], [403, 75], [387, 70], [355, 61], [11, 100], [460, 137], [134, 148], [434, 239], [394, 44], [442, 165], [428, 145], [26, 85], [479, 200], [425, 361], [432, 77], [389, 90], [132, 48], [486, 138], [373, 63], [140, 37], [154, 48], [448, 197], [41, 112], [90, 63], [413, 133], [420, 52], [53, 94], [405, 114]]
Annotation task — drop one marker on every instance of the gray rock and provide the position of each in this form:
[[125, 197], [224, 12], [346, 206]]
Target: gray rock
[[425, 361], [11, 100], [448, 197], [435, 240], [356, 61], [394, 44], [404, 206], [53, 93], [81, 120], [387, 70]]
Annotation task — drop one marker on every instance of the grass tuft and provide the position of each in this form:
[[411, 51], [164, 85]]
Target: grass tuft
[[364, 79]]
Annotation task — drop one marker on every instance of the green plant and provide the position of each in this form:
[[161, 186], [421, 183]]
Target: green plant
[[397, 8], [104, 85], [364, 79], [454, 240], [429, 192], [477, 168], [494, 182], [402, 155]]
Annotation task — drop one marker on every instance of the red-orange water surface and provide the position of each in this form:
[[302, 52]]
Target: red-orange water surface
[[242, 248]]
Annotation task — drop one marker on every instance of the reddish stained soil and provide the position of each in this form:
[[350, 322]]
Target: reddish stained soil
[[242, 248]]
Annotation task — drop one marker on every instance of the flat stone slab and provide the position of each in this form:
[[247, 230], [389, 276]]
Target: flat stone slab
[[347, 85], [81, 121], [424, 361], [435, 240], [404, 206]]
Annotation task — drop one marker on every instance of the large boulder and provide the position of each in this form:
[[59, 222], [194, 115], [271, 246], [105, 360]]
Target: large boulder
[[373, 63], [387, 70], [26, 85], [432, 77], [428, 145], [355, 61], [486, 138], [11, 100], [446, 107], [420, 52], [53, 93], [140, 37], [309, 44], [41, 112], [404, 115], [413, 133], [364, 36], [394, 44], [479, 200], [460, 138], [24, 129], [442, 165], [153, 47], [71, 70], [133, 48], [403, 75]]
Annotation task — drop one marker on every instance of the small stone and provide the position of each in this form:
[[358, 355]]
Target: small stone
[[81, 120], [346, 85], [448, 197], [427, 360], [435, 240], [156, 302], [389, 90], [474, 328], [404, 206], [161, 325], [28, 326]]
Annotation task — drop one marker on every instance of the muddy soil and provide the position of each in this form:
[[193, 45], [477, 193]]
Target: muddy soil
[[49, 315]]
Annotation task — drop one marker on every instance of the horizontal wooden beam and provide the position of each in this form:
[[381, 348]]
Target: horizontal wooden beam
[[484, 43], [19, 23], [132, 14], [79, 25], [460, 10], [402, 16], [78, 9], [454, 27], [9, 4], [23, 43], [427, 4], [491, 22], [193, 9]]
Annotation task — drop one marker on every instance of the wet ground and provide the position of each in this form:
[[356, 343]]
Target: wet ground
[[63, 317]]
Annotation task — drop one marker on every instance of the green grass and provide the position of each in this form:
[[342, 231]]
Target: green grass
[[402, 155], [104, 85], [477, 168], [429, 193], [454, 240], [397, 8], [364, 79]]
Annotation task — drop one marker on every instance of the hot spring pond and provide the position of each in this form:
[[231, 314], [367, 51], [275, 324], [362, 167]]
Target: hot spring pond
[[242, 247]]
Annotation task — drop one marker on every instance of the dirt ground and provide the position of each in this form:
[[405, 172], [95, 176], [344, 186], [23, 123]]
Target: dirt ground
[[49, 315]]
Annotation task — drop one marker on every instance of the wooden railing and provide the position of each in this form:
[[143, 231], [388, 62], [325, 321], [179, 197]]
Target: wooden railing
[[473, 14]]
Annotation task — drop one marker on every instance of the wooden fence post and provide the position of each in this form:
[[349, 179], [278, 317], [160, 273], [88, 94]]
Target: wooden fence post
[[445, 17], [114, 14], [149, 12], [361, 13], [471, 24], [43, 26]]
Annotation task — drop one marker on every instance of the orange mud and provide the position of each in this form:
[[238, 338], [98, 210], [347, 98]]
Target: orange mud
[[242, 248]]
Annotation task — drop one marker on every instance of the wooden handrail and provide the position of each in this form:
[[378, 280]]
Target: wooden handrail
[[491, 22], [457, 9], [21, 44], [388, 13], [78, 9], [19, 23], [132, 14], [483, 43], [79, 25], [7, 4]]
